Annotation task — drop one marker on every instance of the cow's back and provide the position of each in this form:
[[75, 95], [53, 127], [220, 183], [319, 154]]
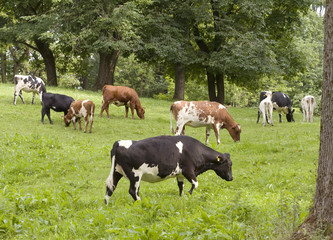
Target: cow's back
[[118, 93], [165, 151], [281, 99]]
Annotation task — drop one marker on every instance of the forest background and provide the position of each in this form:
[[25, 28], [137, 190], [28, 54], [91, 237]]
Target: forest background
[[225, 51]]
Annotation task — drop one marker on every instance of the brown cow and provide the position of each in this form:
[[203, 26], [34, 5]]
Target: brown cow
[[121, 96], [203, 114], [78, 109]]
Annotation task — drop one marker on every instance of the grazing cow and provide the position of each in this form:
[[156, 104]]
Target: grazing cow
[[28, 84], [281, 103], [308, 104], [266, 108], [121, 96], [159, 158], [78, 109], [56, 102], [203, 114]]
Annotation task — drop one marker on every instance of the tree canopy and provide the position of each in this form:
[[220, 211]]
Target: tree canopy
[[251, 44]]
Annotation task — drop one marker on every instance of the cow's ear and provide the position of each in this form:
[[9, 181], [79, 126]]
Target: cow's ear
[[220, 159]]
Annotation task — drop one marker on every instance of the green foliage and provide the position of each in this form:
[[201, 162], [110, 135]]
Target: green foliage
[[140, 76], [52, 178]]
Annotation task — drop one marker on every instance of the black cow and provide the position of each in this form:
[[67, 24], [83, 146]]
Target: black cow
[[56, 102], [281, 103], [28, 84], [158, 158]]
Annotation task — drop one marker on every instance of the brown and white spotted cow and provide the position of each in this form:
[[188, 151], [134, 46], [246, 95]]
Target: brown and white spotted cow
[[121, 96], [211, 115], [78, 109]]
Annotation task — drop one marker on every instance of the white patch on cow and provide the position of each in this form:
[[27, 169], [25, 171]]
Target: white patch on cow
[[146, 173], [120, 170], [125, 143], [280, 109], [83, 110], [54, 107], [176, 172], [180, 146], [150, 174], [221, 106], [195, 183], [189, 115]]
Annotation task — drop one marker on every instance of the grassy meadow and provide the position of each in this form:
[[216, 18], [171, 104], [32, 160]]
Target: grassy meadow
[[52, 178]]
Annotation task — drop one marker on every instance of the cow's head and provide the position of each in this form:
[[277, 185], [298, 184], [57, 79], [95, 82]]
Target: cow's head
[[67, 120], [235, 132], [223, 167], [289, 116], [141, 112]]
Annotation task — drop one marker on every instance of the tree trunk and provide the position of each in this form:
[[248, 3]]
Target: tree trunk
[[321, 215], [16, 62], [220, 87], [107, 66], [215, 80], [211, 86], [180, 81], [49, 61], [323, 203], [3, 66], [85, 82]]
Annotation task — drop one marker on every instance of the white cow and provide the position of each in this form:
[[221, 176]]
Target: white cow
[[266, 108], [308, 104], [28, 84]]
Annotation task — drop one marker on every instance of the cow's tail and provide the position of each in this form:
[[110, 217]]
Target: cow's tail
[[171, 113], [109, 181]]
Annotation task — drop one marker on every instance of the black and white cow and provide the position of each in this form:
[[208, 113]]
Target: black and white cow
[[281, 103], [28, 84], [56, 102], [159, 158]]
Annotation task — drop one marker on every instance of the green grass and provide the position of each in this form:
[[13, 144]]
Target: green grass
[[52, 178]]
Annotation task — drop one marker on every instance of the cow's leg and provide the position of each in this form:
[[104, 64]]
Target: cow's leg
[[180, 130], [91, 122], [48, 114], [190, 176], [207, 134], [271, 115], [74, 123], [33, 98], [132, 110], [112, 182], [79, 120], [105, 106], [258, 116], [280, 115], [180, 182], [135, 187], [86, 122], [217, 132], [264, 117], [126, 112], [15, 96], [21, 96], [303, 115]]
